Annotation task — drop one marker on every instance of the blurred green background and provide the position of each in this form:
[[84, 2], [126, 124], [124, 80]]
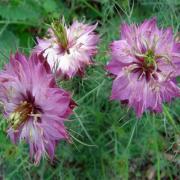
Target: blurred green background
[[109, 142]]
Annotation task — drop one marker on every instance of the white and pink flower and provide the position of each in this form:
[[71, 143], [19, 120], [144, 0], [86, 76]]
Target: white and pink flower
[[69, 50]]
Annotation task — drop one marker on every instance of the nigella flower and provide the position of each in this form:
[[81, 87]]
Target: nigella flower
[[69, 50], [35, 108], [145, 62]]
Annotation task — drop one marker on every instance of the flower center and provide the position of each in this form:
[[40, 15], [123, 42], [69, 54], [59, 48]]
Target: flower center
[[60, 33], [21, 114], [146, 65], [149, 58]]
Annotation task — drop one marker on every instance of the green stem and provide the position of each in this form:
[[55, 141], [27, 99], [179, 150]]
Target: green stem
[[132, 134], [157, 149], [170, 118], [92, 8]]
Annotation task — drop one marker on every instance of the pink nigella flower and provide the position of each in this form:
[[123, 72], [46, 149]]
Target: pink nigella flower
[[33, 105], [145, 62], [69, 49]]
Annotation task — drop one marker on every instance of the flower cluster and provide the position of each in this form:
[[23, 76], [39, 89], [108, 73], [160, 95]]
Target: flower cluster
[[145, 62], [34, 106]]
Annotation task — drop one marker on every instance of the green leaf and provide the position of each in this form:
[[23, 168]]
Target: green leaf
[[21, 11], [8, 44], [50, 6]]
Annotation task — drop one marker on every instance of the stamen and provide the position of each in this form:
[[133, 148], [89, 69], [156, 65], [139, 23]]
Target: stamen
[[21, 114]]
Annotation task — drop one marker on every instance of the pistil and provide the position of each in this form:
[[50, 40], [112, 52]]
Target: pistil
[[149, 58], [60, 33]]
